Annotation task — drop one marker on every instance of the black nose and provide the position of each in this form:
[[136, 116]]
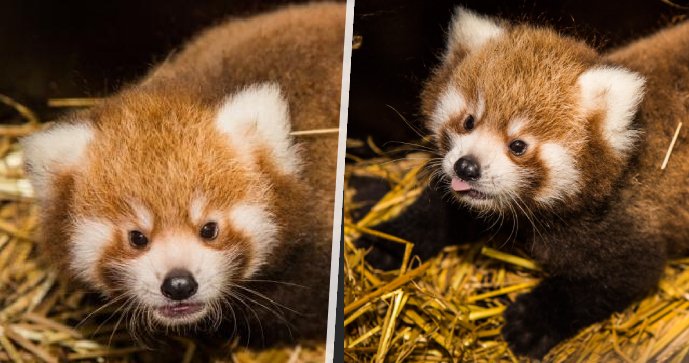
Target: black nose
[[467, 168], [179, 284]]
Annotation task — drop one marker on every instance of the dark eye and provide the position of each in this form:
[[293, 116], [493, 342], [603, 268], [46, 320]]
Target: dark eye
[[137, 239], [517, 147], [209, 231], [469, 123]]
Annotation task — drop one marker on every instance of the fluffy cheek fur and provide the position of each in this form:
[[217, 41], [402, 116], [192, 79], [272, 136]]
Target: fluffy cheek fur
[[259, 225], [91, 236], [561, 180]]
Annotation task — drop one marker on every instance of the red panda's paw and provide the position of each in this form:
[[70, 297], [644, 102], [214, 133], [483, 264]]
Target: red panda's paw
[[531, 326]]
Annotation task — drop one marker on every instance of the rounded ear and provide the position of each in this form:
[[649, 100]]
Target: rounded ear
[[614, 93], [57, 148], [257, 117], [470, 31]]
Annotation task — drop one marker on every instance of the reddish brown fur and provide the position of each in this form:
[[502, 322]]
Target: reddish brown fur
[[659, 197], [606, 245], [156, 143]]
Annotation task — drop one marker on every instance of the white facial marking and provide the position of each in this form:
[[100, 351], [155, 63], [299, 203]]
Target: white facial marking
[[450, 103], [480, 106], [258, 116], [259, 224], [89, 239], [617, 93], [471, 31], [143, 215], [516, 126], [196, 209], [563, 176], [58, 147]]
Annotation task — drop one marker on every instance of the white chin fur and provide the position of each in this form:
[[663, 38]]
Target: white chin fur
[[186, 320], [480, 204]]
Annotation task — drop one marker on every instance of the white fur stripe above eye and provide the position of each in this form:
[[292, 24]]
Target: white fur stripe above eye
[[516, 126], [260, 226], [471, 31], [196, 208], [58, 147], [89, 239], [480, 106], [563, 176], [450, 103], [616, 92], [143, 215], [258, 117]]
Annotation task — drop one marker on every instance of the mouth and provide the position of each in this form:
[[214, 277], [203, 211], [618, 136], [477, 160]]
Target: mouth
[[465, 189], [181, 312]]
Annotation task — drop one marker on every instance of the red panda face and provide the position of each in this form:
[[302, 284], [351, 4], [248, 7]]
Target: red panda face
[[519, 114], [496, 158], [170, 204]]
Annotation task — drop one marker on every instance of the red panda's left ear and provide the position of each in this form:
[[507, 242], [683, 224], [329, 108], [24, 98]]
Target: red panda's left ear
[[257, 118], [614, 93], [59, 148], [469, 31]]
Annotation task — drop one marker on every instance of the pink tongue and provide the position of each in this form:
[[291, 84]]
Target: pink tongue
[[460, 185]]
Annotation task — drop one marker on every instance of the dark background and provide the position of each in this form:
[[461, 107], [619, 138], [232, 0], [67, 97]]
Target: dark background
[[400, 42], [90, 48]]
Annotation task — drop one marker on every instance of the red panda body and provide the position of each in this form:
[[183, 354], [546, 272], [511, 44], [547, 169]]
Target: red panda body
[[186, 197], [541, 133]]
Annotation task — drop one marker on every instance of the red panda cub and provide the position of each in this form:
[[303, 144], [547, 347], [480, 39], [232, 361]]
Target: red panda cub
[[185, 198], [568, 142]]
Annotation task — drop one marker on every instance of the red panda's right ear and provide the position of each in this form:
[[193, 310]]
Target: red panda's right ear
[[257, 118], [615, 94], [470, 31], [57, 148]]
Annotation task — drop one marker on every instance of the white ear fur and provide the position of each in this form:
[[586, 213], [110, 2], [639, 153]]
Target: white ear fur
[[259, 116], [470, 31], [56, 148], [616, 92]]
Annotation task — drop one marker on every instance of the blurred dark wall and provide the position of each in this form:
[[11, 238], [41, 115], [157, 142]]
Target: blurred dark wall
[[78, 48], [400, 42]]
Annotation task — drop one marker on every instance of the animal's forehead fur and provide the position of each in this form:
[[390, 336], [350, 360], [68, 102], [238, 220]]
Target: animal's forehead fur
[[527, 73], [162, 153]]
